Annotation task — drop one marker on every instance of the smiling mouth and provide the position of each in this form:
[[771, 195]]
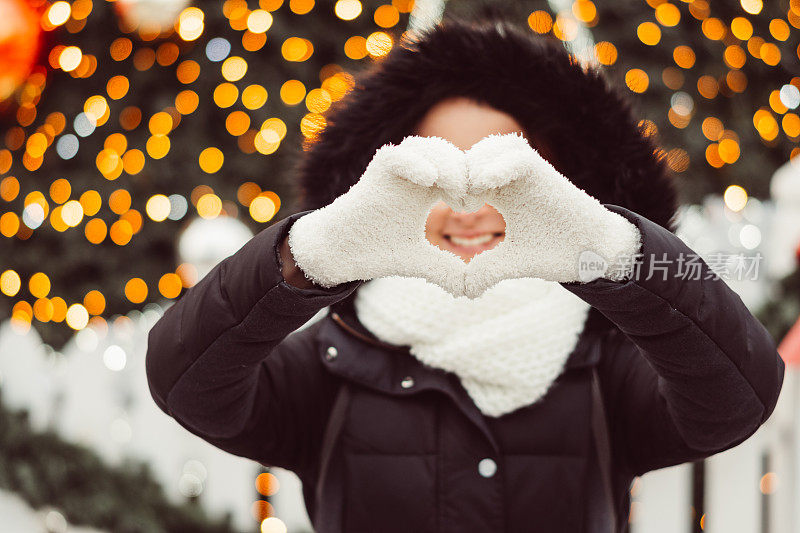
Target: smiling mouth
[[476, 240]]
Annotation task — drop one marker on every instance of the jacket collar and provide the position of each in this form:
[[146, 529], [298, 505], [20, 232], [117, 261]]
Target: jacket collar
[[362, 358], [344, 315]]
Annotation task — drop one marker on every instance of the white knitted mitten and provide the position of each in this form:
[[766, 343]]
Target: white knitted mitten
[[554, 230], [377, 228]]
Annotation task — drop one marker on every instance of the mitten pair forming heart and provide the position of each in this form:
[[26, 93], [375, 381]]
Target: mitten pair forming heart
[[377, 228]]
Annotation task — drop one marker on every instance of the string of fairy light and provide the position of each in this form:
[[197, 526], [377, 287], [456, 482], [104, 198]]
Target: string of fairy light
[[117, 158], [73, 209]]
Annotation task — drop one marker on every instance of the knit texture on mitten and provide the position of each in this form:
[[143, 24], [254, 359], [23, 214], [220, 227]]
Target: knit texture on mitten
[[507, 347]]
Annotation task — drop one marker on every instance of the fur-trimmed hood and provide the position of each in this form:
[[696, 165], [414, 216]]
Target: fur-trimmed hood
[[588, 126]]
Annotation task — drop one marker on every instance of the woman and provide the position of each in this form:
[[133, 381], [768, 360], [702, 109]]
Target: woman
[[530, 408]]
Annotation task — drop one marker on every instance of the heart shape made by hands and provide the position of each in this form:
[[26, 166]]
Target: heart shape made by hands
[[552, 227], [377, 228]]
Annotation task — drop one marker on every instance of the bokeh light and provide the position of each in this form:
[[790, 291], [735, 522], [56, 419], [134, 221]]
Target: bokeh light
[[735, 197], [77, 317], [136, 290], [347, 9]]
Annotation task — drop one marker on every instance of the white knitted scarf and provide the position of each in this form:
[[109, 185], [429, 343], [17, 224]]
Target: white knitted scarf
[[507, 347]]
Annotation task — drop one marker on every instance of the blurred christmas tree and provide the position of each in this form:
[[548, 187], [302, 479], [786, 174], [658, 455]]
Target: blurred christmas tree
[[718, 81], [139, 114]]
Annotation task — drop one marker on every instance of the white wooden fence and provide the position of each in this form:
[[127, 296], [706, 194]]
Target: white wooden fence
[[752, 488]]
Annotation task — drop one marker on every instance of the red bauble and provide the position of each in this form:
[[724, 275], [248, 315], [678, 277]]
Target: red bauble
[[19, 44]]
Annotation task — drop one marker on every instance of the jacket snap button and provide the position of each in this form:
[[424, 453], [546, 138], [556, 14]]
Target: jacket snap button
[[487, 467], [407, 382], [331, 353]]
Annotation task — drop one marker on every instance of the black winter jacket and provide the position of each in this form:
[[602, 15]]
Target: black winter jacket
[[686, 373]]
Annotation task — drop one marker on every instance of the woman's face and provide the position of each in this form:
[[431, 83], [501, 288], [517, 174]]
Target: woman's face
[[464, 122]]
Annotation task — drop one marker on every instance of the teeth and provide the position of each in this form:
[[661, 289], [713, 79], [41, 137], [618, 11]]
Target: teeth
[[474, 241]]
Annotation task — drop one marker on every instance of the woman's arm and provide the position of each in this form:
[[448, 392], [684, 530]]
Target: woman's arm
[[217, 361], [701, 375]]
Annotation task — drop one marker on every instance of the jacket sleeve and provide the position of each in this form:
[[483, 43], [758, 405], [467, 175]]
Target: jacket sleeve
[[697, 373], [218, 363]]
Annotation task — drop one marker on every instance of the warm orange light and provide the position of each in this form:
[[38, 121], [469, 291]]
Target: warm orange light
[[188, 274], [91, 202], [246, 192], [585, 11], [649, 33], [707, 86], [791, 125], [225, 95], [158, 146], [741, 28], [770, 54], [136, 290], [637, 80], [262, 208], [133, 161], [293, 92], [355, 47], [119, 201], [209, 206], [117, 87], [379, 44], [39, 285], [188, 71], [211, 160], [170, 285], [121, 232], [267, 484], [94, 302], [312, 125], [668, 14], [254, 96], [121, 48], [237, 122], [160, 123], [540, 21], [386, 16], [117, 142], [728, 150], [9, 224], [318, 100], [95, 231], [186, 102], [605, 52], [712, 128], [734, 56], [301, 7], [713, 28], [684, 56], [9, 188]]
